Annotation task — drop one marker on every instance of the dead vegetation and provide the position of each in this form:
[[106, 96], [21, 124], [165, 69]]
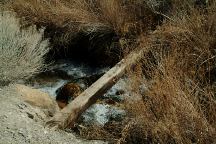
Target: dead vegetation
[[180, 104], [178, 66], [98, 28]]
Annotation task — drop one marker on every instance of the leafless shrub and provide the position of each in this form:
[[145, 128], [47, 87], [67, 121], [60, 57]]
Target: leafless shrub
[[21, 51]]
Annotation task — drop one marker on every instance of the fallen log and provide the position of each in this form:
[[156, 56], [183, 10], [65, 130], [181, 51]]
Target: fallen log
[[69, 115]]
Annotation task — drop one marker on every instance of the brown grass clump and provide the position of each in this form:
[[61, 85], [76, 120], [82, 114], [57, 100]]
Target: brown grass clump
[[179, 105], [109, 132], [73, 26], [104, 26], [88, 15]]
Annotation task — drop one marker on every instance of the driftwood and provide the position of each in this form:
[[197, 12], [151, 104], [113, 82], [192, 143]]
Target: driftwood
[[69, 115]]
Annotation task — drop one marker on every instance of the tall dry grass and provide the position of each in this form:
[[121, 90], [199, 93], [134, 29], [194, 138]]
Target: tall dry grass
[[21, 51], [71, 22], [70, 15], [117, 15], [104, 26], [180, 104]]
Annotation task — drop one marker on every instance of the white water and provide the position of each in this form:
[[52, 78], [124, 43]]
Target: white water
[[98, 114], [51, 90]]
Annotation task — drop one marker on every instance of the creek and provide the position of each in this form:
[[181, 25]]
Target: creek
[[108, 107]]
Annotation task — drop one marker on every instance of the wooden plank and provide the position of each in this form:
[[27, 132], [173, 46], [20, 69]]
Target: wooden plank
[[69, 115]]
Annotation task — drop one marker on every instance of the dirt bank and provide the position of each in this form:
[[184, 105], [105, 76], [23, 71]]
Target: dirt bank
[[20, 123]]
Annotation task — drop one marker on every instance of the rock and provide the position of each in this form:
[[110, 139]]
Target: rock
[[201, 3], [110, 102], [64, 71], [37, 98], [117, 114], [52, 88], [89, 80], [116, 94], [120, 92], [100, 114], [67, 93]]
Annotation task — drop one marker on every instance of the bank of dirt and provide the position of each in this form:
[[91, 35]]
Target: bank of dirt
[[21, 123]]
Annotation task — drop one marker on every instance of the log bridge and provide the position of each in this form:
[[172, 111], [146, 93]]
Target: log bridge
[[68, 116]]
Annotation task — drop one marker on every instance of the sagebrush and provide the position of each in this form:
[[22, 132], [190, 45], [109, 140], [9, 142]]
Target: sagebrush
[[21, 51]]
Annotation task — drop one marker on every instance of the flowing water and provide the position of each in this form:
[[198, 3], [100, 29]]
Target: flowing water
[[67, 71]]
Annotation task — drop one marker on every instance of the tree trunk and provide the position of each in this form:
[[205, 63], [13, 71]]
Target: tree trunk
[[69, 115]]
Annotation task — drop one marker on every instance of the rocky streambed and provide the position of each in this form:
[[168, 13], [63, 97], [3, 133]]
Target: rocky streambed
[[62, 72]]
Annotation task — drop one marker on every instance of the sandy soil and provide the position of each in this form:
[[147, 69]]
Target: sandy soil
[[21, 123]]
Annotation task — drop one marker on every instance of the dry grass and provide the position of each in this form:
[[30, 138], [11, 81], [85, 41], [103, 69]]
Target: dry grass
[[109, 132], [87, 15], [105, 26], [180, 104], [69, 15], [178, 68], [21, 51], [71, 22]]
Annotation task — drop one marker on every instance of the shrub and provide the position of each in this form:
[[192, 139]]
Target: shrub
[[21, 51]]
